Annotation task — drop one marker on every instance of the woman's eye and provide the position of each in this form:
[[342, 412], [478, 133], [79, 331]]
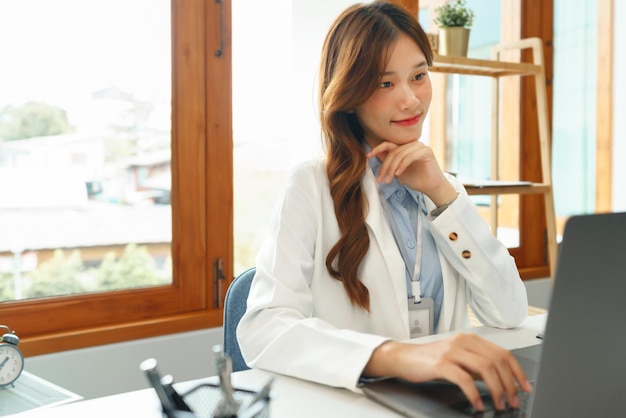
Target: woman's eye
[[385, 84], [419, 76]]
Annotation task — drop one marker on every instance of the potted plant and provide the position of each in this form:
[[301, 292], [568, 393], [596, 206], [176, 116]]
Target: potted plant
[[454, 20]]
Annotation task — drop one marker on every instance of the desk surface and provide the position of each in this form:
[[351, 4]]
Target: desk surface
[[290, 397]]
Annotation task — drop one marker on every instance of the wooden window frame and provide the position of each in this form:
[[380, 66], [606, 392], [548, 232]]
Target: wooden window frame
[[202, 208], [537, 20], [604, 107]]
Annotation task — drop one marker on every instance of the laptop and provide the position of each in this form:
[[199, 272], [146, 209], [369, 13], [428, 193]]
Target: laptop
[[580, 368]]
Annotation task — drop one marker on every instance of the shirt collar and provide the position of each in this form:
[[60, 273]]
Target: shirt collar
[[388, 189]]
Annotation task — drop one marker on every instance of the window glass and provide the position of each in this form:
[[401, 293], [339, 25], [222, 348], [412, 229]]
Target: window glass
[[85, 115], [574, 106], [469, 115]]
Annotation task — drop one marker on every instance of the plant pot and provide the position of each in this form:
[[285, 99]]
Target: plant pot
[[454, 41]]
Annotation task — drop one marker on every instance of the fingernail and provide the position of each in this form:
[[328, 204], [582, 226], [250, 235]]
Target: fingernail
[[514, 401], [501, 404], [480, 405]]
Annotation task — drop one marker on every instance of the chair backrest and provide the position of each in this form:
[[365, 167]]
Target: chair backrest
[[234, 308]]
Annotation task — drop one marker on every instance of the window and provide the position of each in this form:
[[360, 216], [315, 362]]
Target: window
[[574, 122], [190, 241], [588, 137], [85, 147]]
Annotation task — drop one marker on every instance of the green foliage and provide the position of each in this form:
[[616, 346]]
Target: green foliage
[[66, 275], [33, 119], [58, 276], [135, 268], [454, 14], [6, 287]]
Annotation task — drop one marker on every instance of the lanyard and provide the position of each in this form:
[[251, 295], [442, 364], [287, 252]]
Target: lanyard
[[415, 277]]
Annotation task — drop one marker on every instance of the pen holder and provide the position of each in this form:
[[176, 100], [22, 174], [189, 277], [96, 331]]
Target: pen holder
[[203, 400], [206, 400]]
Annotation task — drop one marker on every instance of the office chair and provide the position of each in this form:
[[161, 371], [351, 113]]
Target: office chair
[[234, 308]]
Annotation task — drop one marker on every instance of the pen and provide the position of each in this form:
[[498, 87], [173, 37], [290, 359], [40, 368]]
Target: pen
[[227, 406], [149, 367], [177, 400]]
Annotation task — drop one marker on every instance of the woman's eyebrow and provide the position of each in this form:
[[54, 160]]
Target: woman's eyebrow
[[421, 64]]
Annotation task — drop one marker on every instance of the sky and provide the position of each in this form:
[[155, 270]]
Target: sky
[[58, 50]]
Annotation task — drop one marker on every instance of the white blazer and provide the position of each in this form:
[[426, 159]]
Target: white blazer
[[299, 319]]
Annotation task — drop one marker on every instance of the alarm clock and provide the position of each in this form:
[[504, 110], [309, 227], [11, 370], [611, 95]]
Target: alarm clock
[[11, 358]]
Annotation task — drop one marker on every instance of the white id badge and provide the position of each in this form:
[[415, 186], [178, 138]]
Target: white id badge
[[421, 317]]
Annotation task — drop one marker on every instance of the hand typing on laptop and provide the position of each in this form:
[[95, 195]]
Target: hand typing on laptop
[[459, 359]]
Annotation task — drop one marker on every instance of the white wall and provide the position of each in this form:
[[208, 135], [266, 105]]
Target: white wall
[[539, 292], [114, 368]]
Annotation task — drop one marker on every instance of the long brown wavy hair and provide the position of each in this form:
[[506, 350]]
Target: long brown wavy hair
[[354, 57]]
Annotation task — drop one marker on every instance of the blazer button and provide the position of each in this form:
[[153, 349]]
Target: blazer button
[[466, 254], [453, 236]]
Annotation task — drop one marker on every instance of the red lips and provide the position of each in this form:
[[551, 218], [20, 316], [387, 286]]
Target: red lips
[[408, 122]]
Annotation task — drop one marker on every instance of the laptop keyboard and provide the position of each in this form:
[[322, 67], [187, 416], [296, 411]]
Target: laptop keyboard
[[490, 410]]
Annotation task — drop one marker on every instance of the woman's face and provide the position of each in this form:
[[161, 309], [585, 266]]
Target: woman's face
[[396, 111]]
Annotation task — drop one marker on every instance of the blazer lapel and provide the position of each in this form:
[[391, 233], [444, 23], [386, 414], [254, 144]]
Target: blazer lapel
[[381, 233]]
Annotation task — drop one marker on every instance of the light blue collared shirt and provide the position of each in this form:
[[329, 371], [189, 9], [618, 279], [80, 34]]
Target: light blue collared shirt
[[405, 206]]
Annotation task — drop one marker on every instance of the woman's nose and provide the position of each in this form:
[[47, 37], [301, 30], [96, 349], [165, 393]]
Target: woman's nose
[[408, 99]]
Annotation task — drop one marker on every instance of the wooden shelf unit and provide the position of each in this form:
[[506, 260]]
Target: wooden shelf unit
[[497, 68]]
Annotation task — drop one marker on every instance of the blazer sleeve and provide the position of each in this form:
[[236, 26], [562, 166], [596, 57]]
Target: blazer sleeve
[[495, 291], [280, 331]]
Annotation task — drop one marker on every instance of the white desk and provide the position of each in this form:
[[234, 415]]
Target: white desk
[[290, 397]]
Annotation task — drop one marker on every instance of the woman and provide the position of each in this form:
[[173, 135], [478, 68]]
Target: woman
[[374, 244]]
